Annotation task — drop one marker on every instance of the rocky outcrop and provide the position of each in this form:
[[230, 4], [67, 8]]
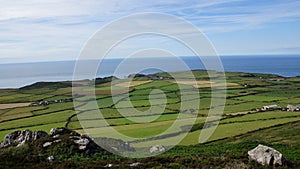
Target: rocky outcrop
[[86, 144], [83, 142], [57, 136], [157, 149], [19, 138], [68, 138], [266, 155], [56, 132]]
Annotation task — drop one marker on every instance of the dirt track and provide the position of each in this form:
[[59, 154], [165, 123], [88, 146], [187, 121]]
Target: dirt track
[[13, 105]]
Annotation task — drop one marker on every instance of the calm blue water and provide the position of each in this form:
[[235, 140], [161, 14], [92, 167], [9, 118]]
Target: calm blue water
[[21, 74]]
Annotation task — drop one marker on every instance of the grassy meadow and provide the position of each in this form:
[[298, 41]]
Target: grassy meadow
[[241, 128]]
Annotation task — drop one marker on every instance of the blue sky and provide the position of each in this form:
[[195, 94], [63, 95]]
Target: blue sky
[[52, 30]]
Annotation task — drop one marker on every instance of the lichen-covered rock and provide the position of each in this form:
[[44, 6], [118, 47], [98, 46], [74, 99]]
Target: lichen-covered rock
[[19, 138], [266, 155]]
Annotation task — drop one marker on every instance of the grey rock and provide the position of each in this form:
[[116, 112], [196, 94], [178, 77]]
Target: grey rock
[[19, 138], [109, 165], [56, 131], [135, 164], [114, 148], [74, 137], [266, 155], [157, 149], [56, 136], [47, 144], [82, 143], [114, 145], [85, 143], [51, 159], [57, 141], [86, 136]]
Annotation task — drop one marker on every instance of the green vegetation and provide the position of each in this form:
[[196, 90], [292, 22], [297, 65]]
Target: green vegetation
[[241, 127]]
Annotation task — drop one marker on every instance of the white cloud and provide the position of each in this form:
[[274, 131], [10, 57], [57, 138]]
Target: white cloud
[[57, 29]]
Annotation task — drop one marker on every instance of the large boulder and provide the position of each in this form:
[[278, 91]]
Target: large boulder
[[19, 138], [266, 155]]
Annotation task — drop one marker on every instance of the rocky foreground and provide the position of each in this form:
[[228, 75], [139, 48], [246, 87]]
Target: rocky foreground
[[58, 146], [57, 137], [31, 149]]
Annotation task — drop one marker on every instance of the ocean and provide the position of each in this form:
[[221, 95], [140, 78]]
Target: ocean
[[22, 74]]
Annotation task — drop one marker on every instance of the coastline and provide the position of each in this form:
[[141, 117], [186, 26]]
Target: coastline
[[21, 74], [104, 77]]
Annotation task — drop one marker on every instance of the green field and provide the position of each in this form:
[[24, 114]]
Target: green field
[[239, 117]]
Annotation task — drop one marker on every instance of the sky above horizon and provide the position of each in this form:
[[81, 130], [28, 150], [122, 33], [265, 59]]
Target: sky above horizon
[[54, 30]]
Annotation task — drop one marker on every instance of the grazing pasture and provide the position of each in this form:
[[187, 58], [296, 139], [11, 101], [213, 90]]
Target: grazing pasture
[[244, 95]]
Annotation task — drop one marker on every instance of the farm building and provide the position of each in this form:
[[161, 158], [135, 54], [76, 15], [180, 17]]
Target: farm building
[[270, 107], [293, 108]]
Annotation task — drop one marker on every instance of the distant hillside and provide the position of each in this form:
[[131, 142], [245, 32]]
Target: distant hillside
[[51, 85]]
